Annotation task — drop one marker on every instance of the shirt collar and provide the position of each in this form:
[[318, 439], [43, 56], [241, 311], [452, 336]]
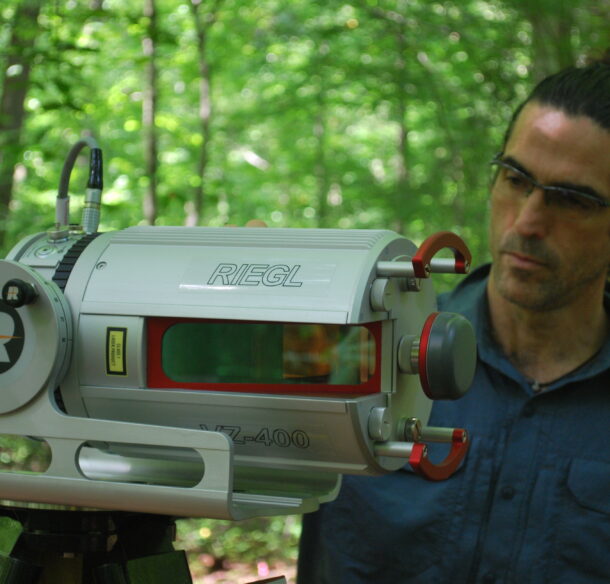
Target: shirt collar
[[470, 299]]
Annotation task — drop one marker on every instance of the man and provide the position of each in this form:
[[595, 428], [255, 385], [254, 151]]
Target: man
[[531, 504]]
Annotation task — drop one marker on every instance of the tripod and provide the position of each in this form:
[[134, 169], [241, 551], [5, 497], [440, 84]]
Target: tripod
[[58, 546], [45, 546]]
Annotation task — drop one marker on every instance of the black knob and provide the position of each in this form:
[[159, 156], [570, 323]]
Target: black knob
[[448, 356], [17, 293]]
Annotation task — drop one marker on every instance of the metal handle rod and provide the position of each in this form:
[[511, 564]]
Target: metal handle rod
[[394, 449], [404, 269], [435, 434]]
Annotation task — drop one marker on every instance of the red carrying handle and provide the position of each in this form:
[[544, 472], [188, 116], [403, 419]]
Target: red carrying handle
[[439, 472], [433, 244]]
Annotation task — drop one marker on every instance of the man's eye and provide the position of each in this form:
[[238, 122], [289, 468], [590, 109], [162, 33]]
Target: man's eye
[[517, 181], [572, 200]]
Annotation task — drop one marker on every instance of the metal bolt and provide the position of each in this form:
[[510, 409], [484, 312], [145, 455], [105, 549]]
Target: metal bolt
[[411, 429], [408, 354], [380, 424]]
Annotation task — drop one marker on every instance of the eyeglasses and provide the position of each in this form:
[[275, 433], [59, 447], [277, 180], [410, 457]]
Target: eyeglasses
[[513, 182]]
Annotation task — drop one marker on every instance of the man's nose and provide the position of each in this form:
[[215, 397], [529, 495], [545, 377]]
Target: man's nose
[[534, 215]]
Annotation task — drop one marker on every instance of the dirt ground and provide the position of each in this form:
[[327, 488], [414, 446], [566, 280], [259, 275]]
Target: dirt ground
[[243, 574]]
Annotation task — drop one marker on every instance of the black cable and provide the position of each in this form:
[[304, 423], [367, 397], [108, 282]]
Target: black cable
[[66, 171]]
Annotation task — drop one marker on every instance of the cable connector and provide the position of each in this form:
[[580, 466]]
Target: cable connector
[[93, 194]]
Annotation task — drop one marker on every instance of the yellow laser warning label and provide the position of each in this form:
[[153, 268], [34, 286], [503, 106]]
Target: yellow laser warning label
[[116, 348]]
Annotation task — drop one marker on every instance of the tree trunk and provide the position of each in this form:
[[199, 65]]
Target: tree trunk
[[320, 132], [402, 191], [149, 110], [552, 24], [15, 82], [203, 22], [321, 165]]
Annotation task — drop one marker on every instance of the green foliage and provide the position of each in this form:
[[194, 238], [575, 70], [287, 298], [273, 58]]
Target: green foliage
[[22, 454], [215, 544], [307, 109], [309, 100]]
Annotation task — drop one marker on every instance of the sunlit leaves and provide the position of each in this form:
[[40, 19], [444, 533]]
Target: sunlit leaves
[[309, 101]]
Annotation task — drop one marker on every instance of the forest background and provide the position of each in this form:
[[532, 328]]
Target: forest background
[[361, 114]]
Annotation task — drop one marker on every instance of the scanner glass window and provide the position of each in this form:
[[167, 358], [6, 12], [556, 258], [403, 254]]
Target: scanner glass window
[[212, 352]]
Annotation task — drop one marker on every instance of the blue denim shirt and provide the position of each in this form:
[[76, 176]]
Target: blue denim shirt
[[531, 503]]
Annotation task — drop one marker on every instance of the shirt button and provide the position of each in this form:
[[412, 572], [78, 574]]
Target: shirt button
[[529, 410], [507, 493]]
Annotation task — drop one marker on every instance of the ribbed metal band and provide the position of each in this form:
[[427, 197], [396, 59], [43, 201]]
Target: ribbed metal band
[[64, 269]]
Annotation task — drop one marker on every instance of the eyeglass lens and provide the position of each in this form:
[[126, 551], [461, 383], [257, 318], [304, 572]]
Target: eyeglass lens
[[513, 182]]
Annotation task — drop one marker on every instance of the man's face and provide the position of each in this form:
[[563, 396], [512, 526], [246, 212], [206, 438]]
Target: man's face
[[544, 256]]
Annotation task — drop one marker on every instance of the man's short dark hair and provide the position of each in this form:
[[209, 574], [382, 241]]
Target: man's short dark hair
[[577, 91]]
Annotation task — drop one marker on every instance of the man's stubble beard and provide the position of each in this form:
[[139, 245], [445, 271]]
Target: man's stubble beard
[[546, 290]]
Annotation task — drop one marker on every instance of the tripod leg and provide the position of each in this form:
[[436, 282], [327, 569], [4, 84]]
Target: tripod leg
[[14, 571], [109, 574]]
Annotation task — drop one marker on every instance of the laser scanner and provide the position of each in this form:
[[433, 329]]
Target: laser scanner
[[224, 372]]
